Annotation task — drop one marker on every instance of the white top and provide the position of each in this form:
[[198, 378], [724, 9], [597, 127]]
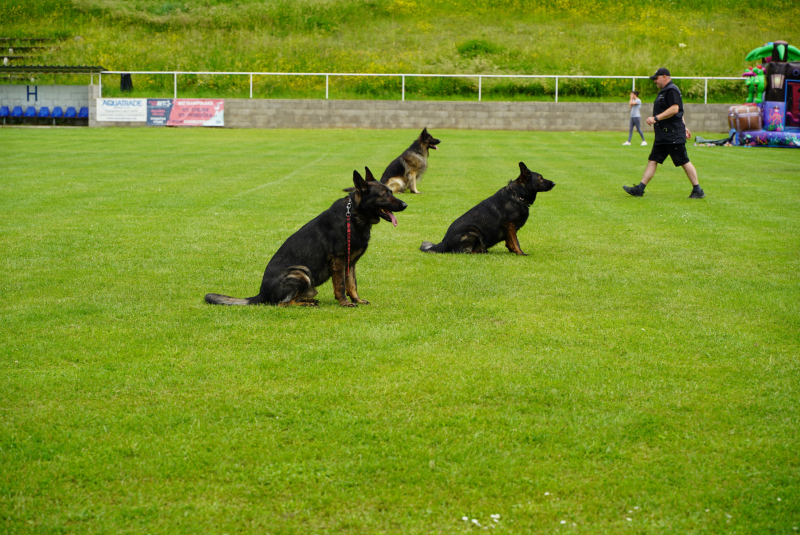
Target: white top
[[636, 109]]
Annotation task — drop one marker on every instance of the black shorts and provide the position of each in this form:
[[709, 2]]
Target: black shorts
[[677, 152]]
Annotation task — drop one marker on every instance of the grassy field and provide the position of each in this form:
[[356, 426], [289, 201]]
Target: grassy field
[[637, 373], [575, 37]]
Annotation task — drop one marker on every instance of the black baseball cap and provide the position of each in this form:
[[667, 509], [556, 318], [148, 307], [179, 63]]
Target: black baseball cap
[[660, 72]]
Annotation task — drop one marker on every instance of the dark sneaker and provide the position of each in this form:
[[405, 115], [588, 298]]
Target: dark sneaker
[[633, 190], [697, 194]]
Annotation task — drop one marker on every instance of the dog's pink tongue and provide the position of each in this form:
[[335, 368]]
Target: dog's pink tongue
[[392, 217]]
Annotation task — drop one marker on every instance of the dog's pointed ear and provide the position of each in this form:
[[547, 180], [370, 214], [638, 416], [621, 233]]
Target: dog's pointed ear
[[359, 182], [424, 131], [524, 174], [369, 176]]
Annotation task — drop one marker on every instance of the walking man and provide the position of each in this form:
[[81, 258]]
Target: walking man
[[671, 135]]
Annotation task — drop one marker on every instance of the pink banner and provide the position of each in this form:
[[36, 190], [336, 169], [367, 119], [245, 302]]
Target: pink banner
[[188, 112]]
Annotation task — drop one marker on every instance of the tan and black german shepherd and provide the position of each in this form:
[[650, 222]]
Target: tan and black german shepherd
[[494, 219], [407, 169], [319, 250]]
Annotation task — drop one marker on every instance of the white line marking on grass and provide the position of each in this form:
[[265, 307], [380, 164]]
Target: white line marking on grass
[[282, 179]]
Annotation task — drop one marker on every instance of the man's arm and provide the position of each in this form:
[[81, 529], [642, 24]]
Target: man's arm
[[671, 111]]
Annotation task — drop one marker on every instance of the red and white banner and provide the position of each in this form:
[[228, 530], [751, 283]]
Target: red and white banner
[[186, 112]]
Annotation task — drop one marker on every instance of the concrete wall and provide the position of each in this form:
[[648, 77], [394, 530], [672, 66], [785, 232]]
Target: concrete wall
[[388, 114], [51, 96], [544, 116]]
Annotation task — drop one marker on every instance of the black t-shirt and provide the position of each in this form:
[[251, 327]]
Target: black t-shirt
[[669, 131]]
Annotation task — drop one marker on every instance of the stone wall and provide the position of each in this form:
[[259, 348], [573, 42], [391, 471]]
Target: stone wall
[[388, 114], [544, 116], [51, 96]]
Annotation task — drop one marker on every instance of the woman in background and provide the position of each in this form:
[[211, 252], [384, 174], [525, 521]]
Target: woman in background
[[635, 104]]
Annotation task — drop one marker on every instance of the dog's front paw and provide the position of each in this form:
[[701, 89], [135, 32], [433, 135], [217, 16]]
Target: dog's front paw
[[348, 304], [361, 302]]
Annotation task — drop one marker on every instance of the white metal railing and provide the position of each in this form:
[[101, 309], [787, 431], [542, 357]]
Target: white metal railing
[[403, 77]]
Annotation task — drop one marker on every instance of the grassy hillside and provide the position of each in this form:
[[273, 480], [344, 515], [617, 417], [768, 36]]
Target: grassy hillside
[[579, 37]]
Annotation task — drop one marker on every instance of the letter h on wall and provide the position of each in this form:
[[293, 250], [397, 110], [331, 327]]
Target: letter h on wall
[[35, 93]]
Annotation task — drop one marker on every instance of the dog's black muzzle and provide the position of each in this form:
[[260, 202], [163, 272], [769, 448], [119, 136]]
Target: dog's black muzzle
[[548, 185]]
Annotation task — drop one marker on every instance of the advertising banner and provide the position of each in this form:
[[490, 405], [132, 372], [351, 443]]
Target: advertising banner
[[129, 110], [186, 112], [158, 111]]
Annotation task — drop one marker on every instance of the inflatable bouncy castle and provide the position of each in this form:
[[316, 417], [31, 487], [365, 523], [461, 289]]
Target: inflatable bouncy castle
[[771, 117]]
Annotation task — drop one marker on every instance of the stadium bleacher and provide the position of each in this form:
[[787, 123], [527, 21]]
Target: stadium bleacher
[[72, 115], [51, 113]]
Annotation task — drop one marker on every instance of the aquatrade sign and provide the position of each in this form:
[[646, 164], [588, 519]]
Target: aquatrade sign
[[128, 110], [185, 112]]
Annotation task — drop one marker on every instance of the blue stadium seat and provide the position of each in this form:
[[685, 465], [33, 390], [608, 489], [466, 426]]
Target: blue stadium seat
[[44, 111], [4, 111], [57, 113], [30, 112], [84, 113], [70, 113], [16, 112]]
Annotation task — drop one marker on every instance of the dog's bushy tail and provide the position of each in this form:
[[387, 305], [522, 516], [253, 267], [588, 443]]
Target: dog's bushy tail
[[217, 299], [428, 247]]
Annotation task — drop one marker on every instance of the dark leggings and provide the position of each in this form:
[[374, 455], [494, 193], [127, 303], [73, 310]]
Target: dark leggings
[[635, 121]]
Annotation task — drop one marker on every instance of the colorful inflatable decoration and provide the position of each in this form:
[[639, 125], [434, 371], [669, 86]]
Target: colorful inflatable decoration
[[773, 98], [759, 83], [749, 78], [774, 119], [775, 51]]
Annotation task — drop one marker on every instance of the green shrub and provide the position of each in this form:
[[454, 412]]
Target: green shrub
[[476, 47]]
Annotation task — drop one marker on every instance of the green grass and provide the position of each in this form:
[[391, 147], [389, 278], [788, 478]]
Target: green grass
[[577, 37], [640, 364]]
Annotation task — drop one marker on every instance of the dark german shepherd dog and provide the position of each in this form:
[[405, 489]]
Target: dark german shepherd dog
[[494, 219], [320, 250], [407, 169]]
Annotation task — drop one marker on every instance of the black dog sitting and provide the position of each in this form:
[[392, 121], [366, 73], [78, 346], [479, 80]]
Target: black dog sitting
[[320, 250], [495, 219]]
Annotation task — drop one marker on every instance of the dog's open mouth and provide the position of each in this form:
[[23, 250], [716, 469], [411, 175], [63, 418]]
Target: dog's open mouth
[[388, 216]]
